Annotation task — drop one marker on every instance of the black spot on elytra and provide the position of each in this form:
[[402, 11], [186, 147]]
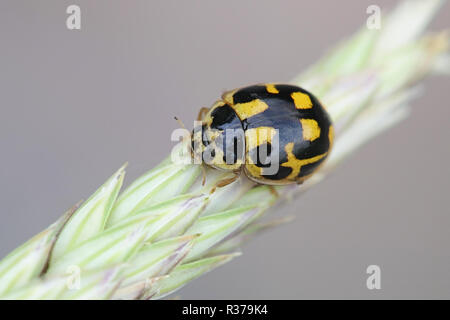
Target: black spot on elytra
[[224, 117], [282, 173]]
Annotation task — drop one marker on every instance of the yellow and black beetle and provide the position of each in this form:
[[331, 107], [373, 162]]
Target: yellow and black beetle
[[236, 128]]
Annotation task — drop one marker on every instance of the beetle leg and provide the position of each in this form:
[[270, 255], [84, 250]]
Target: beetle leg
[[201, 114], [203, 174], [273, 190], [225, 182]]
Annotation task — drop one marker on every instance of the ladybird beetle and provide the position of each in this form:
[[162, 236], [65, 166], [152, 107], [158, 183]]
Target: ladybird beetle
[[234, 131]]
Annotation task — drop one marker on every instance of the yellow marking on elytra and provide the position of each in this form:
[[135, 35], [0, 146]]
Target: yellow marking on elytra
[[253, 170], [249, 109], [257, 136], [271, 88], [301, 100], [310, 129], [228, 97], [331, 135], [297, 164]]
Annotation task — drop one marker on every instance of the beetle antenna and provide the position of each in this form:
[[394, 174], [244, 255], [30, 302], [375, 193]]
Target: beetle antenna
[[180, 122], [184, 127]]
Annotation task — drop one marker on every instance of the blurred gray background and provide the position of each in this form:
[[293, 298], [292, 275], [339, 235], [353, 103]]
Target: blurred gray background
[[75, 105]]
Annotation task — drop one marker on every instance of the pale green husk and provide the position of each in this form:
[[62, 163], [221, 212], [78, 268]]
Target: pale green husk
[[166, 229]]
